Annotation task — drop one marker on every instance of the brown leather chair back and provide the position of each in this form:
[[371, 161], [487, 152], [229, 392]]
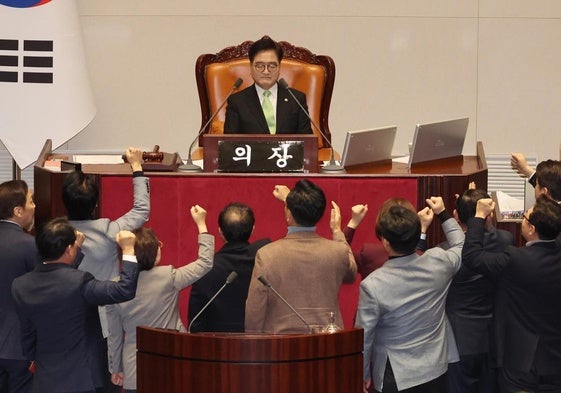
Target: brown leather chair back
[[312, 74]]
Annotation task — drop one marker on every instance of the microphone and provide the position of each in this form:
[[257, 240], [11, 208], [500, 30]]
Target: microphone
[[268, 285], [189, 166], [231, 277], [332, 167]]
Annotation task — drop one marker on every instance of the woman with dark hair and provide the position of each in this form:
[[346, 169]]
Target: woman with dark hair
[[156, 301]]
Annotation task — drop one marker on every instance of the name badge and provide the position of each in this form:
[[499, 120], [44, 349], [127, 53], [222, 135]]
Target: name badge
[[261, 156]]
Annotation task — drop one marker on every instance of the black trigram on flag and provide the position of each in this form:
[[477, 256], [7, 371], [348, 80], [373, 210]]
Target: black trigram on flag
[[33, 65]]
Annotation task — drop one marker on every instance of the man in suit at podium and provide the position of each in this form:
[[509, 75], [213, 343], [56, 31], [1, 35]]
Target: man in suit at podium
[[305, 268], [264, 107], [227, 313]]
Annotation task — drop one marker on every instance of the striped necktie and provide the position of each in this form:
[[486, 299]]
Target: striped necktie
[[269, 112]]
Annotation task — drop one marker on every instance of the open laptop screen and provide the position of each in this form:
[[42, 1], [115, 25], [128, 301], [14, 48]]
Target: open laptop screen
[[433, 141], [371, 145]]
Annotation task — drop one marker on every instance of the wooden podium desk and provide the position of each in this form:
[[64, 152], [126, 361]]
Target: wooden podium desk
[[173, 193], [170, 362]]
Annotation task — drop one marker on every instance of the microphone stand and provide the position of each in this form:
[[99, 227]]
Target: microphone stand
[[189, 166], [231, 277], [332, 167], [264, 281]]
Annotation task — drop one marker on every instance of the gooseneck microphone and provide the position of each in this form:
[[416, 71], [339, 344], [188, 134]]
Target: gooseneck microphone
[[189, 166], [332, 167], [231, 277], [268, 285]]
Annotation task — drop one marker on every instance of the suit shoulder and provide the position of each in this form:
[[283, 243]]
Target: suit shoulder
[[242, 94]]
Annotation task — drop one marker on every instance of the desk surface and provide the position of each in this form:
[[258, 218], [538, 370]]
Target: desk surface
[[457, 166]]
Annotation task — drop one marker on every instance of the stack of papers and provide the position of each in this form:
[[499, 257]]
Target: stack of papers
[[510, 208]]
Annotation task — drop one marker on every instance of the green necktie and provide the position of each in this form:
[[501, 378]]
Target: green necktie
[[269, 112]]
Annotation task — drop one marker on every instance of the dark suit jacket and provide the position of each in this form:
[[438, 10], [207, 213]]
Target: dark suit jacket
[[18, 255], [469, 304], [244, 114], [57, 305], [227, 312], [527, 324]]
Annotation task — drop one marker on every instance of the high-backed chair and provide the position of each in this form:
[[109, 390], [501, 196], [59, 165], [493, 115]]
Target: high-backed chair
[[312, 74]]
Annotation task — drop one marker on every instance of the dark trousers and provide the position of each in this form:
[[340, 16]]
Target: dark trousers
[[437, 385], [15, 376], [511, 381], [472, 374]]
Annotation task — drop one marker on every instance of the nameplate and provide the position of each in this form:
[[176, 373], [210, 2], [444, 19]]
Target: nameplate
[[261, 156]]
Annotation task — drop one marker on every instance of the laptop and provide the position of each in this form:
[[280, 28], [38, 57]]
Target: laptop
[[433, 141], [371, 145]]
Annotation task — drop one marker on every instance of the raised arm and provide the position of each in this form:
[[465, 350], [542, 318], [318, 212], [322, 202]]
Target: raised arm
[[335, 224], [358, 212], [452, 230], [188, 274], [140, 211], [110, 292], [473, 255]]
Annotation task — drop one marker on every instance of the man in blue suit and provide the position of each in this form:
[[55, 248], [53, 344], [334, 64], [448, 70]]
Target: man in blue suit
[[57, 305], [264, 108], [18, 255]]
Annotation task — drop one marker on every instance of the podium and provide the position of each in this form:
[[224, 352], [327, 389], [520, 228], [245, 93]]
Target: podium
[[170, 362]]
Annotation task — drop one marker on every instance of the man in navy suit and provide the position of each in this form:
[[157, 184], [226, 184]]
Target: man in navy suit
[[57, 305], [18, 255], [246, 112], [527, 317], [469, 306]]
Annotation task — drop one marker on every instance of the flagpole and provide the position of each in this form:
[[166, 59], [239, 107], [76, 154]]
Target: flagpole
[[16, 171]]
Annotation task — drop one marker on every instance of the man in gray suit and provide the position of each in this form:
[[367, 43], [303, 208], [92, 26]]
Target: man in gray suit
[[305, 268], [80, 195], [407, 337]]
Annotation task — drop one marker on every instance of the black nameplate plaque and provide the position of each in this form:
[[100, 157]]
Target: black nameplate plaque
[[261, 156]]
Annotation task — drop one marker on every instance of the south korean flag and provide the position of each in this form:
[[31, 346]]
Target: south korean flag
[[44, 85]]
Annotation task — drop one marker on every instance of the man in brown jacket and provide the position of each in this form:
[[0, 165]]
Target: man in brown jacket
[[305, 268]]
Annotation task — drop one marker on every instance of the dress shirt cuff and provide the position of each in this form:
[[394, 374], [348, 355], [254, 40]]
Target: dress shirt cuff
[[130, 258]]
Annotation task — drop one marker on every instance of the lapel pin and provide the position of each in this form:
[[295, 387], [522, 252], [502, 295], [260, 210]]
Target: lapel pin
[[286, 100]]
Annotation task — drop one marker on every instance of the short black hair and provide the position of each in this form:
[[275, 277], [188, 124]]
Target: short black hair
[[401, 227], [467, 203], [306, 202], [546, 218], [80, 195], [13, 193], [548, 174], [54, 237], [263, 44], [236, 222]]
